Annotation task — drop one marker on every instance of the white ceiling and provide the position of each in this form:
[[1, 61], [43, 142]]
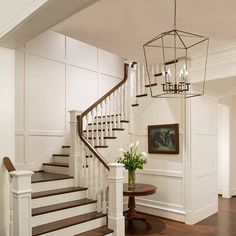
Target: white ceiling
[[122, 26]]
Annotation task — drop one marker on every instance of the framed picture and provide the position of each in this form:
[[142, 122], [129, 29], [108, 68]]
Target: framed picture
[[163, 139]]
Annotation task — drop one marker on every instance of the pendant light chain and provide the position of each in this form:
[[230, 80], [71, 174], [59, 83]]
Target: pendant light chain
[[175, 15]]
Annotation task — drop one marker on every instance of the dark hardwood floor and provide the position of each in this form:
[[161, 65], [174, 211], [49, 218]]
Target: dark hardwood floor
[[221, 224]]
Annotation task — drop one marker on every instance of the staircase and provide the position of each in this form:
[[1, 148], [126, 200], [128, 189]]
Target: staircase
[[70, 193], [60, 208]]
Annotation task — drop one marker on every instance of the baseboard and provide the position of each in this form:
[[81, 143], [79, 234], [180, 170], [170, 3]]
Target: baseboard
[[169, 213], [201, 214]]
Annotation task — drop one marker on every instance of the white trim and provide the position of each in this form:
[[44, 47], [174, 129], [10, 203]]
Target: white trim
[[203, 213], [161, 211], [21, 16], [204, 173], [165, 173], [46, 133], [163, 205]]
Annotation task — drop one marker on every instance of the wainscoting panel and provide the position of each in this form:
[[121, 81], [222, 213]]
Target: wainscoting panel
[[49, 45], [55, 74], [81, 54], [45, 81], [81, 88]]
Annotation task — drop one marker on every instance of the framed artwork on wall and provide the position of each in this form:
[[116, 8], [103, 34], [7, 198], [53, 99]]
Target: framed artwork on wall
[[163, 139]]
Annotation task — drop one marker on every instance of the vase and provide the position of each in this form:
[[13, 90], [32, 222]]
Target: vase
[[131, 178]]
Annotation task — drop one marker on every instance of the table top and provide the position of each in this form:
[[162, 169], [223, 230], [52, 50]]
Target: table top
[[139, 190]]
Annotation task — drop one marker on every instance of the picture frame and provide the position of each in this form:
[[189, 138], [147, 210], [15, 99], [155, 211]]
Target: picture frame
[[163, 139]]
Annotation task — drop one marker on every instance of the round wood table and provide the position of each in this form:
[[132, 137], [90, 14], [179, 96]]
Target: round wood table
[[138, 190]]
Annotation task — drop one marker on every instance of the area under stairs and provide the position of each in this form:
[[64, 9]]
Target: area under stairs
[[59, 208]]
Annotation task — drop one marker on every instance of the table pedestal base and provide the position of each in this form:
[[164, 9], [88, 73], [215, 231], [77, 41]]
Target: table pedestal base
[[133, 215]]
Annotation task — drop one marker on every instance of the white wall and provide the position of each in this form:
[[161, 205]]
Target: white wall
[[201, 171], [7, 130], [56, 74], [166, 171], [230, 102]]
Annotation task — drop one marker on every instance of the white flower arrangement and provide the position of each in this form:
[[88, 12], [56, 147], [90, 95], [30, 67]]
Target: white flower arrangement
[[131, 159]]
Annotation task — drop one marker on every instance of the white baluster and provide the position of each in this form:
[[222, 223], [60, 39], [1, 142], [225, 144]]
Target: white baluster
[[104, 202], [102, 125], [106, 120], [114, 111], [137, 80], [110, 116], [82, 165], [99, 197], [122, 102], [92, 128], [142, 77], [118, 107], [97, 126], [90, 177], [94, 192]]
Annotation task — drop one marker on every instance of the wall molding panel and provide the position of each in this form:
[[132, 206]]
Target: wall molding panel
[[165, 173], [52, 71]]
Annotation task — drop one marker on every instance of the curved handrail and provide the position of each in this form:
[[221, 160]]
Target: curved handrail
[[80, 118], [8, 164]]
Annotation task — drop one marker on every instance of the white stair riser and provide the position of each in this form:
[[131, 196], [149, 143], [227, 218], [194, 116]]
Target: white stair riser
[[49, 185], [62, 214], [61, 159], [79, 228], [111, 234], [66, 151], [99, 126], [60, 198], [99, 133], [99, 142], [109, 118], [56, 169]]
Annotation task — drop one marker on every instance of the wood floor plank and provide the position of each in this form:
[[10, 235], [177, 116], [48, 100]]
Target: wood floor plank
[[222, 223]]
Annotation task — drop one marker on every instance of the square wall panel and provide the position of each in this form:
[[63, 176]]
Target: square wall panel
[[81, 88], [48, 44], [81, 54], [110, 64], [45, 82]]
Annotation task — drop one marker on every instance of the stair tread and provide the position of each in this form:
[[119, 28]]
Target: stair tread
[[61, 206], [56, 192], [65, 146], [108, 122], [101, 146], [47, 176], [150, 85], [60, 155], [99, 130], [60, 224], [135, 105], [141, 95], [101, 231], [56, 164]]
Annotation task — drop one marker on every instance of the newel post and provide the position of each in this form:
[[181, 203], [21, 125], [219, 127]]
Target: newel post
[[116, 220], [21, 191], [75, 147]]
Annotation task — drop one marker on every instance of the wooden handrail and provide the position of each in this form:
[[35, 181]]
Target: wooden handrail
[[109, 92], [80, 118], [8, 164]]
